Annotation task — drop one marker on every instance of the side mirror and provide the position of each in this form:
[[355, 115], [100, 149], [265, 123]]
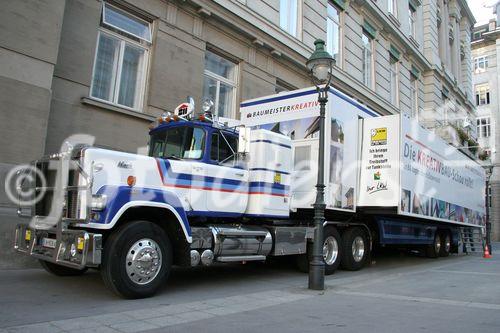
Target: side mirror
[[244, 140]]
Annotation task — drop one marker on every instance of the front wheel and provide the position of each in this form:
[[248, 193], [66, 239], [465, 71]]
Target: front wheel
[[137, 259], [355, 249], [61, 270]]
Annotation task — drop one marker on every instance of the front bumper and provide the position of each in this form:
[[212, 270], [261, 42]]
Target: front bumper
[[74, 248]]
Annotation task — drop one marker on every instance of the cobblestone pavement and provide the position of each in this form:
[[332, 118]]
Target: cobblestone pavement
[[396, 293]]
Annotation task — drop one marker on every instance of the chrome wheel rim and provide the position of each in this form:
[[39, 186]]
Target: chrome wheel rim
[[447, 243], [358, 248], [437, 244], [143, 261], [330, 250]]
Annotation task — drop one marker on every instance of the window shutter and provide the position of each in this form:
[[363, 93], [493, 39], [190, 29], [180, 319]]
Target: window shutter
[[340, 3], [414, 4], [394, 53], [369, 29], [415, 72]]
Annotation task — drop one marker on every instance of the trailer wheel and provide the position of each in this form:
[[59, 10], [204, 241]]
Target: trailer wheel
[[331, 252], [61, 270], [433, 250], [355, 249], [445, 244], [137, 259]]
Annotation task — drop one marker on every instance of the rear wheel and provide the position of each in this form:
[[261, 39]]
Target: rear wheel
[[331, 252], [445, 244], [61, 270], [433, 250], [137, 259], [355, 249]]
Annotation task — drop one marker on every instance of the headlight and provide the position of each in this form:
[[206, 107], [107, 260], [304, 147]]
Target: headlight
[[99, 202]]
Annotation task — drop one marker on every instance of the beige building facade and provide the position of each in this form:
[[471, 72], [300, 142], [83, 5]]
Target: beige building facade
[[108, 68], [486, 76]]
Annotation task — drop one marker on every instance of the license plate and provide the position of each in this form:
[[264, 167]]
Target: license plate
[[49, 242]]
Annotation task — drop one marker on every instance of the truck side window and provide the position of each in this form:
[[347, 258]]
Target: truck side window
[[223, 152]]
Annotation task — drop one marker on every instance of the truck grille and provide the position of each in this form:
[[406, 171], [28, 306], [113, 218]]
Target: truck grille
[[50, 173]]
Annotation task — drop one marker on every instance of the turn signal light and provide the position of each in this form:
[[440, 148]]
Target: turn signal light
[[176, 117], [130, 180]]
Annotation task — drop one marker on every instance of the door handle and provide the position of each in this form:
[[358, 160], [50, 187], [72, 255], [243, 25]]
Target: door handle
[[240, 174], [197, 168]]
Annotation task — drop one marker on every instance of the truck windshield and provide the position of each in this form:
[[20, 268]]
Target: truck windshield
[[178, 143]]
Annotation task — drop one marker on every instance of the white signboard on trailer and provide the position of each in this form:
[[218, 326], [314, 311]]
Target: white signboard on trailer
[[379, 176], [407, 167], [438, 181], [296, 114]]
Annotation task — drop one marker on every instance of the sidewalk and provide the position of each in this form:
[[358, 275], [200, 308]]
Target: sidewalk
[[397, 294]]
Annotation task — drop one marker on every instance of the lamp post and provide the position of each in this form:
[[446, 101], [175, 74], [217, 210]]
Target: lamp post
[[320, 66], [489, 170]]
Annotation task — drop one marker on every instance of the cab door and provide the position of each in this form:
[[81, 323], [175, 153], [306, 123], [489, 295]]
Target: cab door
[[229, 183]]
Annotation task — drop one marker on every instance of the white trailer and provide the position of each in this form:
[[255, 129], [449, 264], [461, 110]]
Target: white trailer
[[401, 181]]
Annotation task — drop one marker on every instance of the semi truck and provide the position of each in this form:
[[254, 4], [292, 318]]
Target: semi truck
[[214, 190]]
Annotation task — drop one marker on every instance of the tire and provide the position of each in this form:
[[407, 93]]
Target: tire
[[61, 270], [445, 249], [355, 249], [432, 250], [132, 245], [331, 242]]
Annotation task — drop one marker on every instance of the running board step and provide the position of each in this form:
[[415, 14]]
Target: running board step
[[241, 258]]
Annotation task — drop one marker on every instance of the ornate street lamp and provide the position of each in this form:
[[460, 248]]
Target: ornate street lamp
[[320, 65]]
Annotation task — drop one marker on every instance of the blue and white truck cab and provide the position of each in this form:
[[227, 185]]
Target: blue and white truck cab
[[208, 193], [134, 216]]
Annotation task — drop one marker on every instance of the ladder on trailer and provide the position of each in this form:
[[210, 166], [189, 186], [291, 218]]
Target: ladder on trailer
[[472, 240]]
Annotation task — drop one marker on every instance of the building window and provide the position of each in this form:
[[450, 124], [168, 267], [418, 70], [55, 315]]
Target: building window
[[412, 13], [478, 34], [480, 64], [394, 79], [367, 60], [289, 14], [484, 127], [392, 7], [482, 94], [333, 31], [220, 84], [119, 73]]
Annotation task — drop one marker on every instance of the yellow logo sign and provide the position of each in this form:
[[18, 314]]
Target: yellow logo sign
[[379, 136], [277, 178]]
